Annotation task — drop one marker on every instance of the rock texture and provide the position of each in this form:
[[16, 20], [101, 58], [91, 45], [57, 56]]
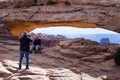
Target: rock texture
[[76, 59], [103, 13], [4, 31], [35, 73]]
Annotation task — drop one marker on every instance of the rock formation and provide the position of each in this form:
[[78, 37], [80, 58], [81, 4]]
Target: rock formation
[[4, 31], [102, 13], [105, 40], [75, 59]]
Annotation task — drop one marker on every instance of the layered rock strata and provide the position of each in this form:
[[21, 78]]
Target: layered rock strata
[[103, 13], [76, 59], [4, 31]]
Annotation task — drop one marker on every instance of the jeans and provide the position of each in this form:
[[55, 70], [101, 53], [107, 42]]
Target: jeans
[[22, 53]]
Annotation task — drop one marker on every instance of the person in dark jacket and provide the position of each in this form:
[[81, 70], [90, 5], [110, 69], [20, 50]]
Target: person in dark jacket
[[36, 44], [24, 49], [117, 57]]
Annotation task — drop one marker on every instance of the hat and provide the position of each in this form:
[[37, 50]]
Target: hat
[[24, 33]]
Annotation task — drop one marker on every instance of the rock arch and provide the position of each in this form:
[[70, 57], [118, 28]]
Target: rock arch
[[103, 14], [17, 27]]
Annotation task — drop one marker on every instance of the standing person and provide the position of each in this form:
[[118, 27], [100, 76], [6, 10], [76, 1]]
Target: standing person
[[117, 57], [24, 49], [36, 44]]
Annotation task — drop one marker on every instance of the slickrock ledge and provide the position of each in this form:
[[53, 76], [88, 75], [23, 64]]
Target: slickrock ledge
[[63, 62]]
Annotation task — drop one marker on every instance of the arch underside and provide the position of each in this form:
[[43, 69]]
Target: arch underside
[[17, 27]]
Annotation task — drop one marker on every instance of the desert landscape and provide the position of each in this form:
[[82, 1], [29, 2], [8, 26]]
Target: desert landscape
[[76, 59], [71, 59]]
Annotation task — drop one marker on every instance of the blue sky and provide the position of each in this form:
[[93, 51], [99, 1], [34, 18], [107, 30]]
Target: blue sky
[[95, 34], [72, 30]]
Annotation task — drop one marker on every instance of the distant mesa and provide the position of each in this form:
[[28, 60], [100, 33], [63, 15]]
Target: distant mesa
[[105, 40]]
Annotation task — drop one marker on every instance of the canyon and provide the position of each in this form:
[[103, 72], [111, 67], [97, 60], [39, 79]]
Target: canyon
[[73, 59]]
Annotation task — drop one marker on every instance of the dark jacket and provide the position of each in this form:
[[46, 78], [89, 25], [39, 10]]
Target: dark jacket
[[37, 42], [25, 43]]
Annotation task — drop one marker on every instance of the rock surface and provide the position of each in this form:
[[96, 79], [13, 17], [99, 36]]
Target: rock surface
[[103, 13], [4, 31], [76, 59]]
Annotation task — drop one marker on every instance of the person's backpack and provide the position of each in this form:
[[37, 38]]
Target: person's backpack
[[117, 57]]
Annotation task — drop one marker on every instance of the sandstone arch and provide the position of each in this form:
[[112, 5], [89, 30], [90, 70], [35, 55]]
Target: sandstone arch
[[102, 13], [17, 27]]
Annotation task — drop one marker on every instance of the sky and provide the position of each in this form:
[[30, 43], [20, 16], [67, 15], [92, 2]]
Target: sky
[[72, 30], [95, 34]]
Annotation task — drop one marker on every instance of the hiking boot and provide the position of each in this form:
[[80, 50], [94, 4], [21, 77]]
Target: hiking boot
[[20, 67], [27, 67]]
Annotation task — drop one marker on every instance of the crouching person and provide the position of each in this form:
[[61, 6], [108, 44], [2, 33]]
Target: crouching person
[[36, 45]]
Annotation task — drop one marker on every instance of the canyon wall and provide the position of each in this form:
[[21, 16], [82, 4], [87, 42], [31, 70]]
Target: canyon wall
[[5, 32], [102, 13]]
